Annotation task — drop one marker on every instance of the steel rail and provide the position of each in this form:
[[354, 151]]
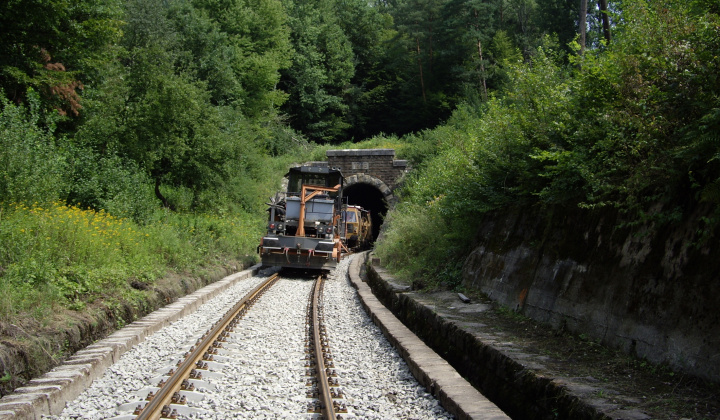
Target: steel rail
[[163, 397], [326, 400]]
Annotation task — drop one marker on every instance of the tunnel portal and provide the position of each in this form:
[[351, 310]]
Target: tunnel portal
[[370, 198], [371, 176]]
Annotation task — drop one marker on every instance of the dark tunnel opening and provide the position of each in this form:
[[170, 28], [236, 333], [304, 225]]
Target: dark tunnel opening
[[369, 198]]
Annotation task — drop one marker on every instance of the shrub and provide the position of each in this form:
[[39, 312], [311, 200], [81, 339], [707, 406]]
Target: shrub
[[32, 166], [111, 183]]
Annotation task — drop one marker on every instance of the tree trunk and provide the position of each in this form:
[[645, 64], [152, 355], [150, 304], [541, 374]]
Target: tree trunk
[[422, 81], [430, 57], [603, 4], [483, 81], [161, 197], [482, 71], [583, 24]]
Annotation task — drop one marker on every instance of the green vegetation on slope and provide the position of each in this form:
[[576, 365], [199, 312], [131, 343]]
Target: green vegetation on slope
[[78, 227], [57, 256], [632, 125], [137, 139]]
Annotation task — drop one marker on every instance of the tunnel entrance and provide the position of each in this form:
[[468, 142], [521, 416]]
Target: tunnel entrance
[[370, 198]]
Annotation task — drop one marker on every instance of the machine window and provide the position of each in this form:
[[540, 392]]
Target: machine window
[[350, 217]]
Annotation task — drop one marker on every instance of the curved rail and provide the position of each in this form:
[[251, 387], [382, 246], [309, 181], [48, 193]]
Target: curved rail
[[325, 395], [159, 405]]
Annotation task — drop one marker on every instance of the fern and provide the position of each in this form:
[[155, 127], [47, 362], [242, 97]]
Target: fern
[[711, 192]]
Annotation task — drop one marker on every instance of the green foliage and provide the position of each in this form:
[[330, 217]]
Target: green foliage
[[62, 52], [427, 234], [492, 156], [413, 242], [652, 102], [180, 106], [321, 71], [277, 138], [240, 50], [64, 256], [400, 67], [632, 125], [559, 17], [176, 122], [6, 377], [32, 166], [112, 184]]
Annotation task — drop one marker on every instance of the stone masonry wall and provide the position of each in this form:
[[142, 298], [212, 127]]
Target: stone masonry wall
[[653, 291], [514, 387], [378, 163]]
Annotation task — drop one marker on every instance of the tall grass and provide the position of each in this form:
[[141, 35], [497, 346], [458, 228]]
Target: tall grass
[[58, 256]]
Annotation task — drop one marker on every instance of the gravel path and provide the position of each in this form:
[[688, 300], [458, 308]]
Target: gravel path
[[260, 373]]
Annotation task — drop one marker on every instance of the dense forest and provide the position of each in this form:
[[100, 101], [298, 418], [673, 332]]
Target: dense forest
[[141, 136]]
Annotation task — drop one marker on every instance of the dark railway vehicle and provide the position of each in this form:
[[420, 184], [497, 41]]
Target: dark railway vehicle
[[305, 223]]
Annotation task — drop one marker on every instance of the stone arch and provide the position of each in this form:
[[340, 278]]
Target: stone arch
[[375, 182], [372, 194]]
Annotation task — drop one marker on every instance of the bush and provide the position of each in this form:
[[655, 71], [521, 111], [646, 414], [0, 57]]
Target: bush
[[633, 125], [111, 183], [418, 244], [32, 166]]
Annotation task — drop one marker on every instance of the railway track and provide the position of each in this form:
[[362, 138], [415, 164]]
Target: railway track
[[258, 367], [320, 364], [161, 403], [169, 400]]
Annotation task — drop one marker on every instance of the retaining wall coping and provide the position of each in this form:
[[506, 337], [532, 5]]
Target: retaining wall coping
[[455, 394], [360, 152], [65, 382]]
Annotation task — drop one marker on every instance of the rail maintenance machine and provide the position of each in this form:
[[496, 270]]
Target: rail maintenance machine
[[305, 223]]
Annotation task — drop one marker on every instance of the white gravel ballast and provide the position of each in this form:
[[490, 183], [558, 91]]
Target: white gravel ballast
[[374, 377], [260, 373]]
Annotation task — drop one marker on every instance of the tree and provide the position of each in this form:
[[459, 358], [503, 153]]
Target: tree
[[583, 24], [605, 17], [320, 75], [154, 112], [368, 29], [207, 53], [186, 78], [418, 23], [559, 17], [419, 60], [55, 48], [521, 23], [473, 23], [257, 47]]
